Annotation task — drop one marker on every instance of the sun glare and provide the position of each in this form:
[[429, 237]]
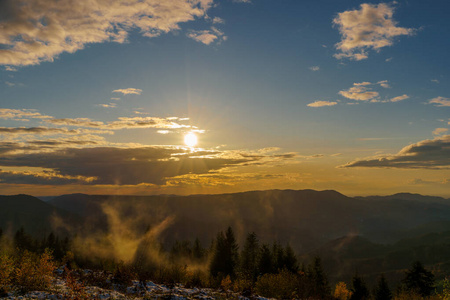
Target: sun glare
[[190, 139]]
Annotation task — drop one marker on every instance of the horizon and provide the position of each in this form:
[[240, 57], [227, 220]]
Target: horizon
[[207, 97], [240, 192]]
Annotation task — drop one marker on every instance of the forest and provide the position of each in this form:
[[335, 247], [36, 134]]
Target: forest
[[233, 270]]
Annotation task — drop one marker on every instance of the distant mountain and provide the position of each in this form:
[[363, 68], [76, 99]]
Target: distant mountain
[[409, 197], [33, 214], [306, 219]]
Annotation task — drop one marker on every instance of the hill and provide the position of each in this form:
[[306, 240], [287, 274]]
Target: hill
[[307, 219], [33, 214]]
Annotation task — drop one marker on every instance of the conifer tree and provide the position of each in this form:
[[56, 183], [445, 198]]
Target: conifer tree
[[318, 280], [265, 263], [290, 260], [382, 291], [225, 258], [419, 280], [359, 288], [249, 257]]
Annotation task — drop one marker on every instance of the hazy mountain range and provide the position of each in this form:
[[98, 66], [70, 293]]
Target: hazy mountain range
[[377, 233]]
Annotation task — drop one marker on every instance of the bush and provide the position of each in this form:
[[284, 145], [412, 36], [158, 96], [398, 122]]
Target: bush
[[6, 272], [341, 292], [34, 272], [281, 286]]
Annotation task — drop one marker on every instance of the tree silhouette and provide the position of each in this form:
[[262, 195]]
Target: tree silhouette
[[225, 258], [249, 257], [382, 291], [318, 280], [359, 288], [419, 280]]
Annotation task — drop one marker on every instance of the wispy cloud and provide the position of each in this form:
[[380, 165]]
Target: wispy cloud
[[11, 69], [322, 103], [370, 27], [427, 154], [314, 68], [440, 101], [207, 37], [384, 83], [37, 31], [128, 91], [440, 131], [108, 105], [435, 80], [359, 92], [399, 98], [21, 114]]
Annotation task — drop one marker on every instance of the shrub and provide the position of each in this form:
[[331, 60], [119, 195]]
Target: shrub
[[341, 292], [6, 272], [34, 272], [281, 286]]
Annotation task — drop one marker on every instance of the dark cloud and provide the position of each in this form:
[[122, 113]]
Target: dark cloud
[[130, 166], [42, 178], [427, 154]]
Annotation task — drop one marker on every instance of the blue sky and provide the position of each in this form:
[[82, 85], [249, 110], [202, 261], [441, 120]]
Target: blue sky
[[344, 95]]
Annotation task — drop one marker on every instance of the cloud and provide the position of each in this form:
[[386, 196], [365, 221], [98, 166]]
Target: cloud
[[11, 69], [399, 98], [217, 20], [110, 105], [322, 103], [440, 101], [135, 165], [362, 83], [435, 80], [370, 27], [440, 131], [39, 30], [384, 83], [359, 92], [427, 154], [21, 114], [207, 36], [44, 177], [128, 91], [123, 123], [10, 84], [314, 68]]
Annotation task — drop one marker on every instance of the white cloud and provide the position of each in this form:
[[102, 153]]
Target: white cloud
[[399, 98], [322, 103], [11, 69], [440, 131], [10, 84], [110, 105], [207, 36], [40, 30], [128, 91], [440, 101], [362, 83], [115, 99], [388, 59], [370, 27], [217, 20], [21, 114], [384, 83], [314, 68], [359, 92], [435, 80]]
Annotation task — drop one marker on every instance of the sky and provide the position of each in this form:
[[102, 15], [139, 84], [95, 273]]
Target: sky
[[98, 96]]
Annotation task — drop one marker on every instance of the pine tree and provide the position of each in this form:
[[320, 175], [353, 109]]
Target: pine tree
[[198, 252], [382, 291], [225, 258], [359, 289], [318, 280], [419, 280], [249, 257], [265, 262], [290, 260]]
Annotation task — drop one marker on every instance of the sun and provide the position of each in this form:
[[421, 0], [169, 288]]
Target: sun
[[190, 139]]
